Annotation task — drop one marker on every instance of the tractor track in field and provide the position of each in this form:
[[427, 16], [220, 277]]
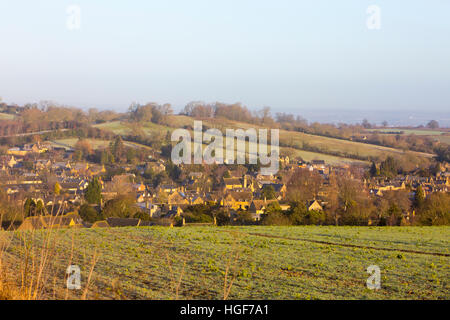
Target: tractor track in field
[[350, 245]]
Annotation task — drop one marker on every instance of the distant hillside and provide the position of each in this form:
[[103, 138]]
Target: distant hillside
[[296, 144], [442, 135], [6, 116]]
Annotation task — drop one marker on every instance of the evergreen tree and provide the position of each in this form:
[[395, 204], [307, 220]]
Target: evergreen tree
[[419, 197], [268, 192], [29, 207], [374, 170], [389, 167], [117, 148], [93, 193]]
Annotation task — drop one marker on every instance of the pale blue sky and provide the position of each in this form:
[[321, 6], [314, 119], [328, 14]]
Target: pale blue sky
[[289, 55]]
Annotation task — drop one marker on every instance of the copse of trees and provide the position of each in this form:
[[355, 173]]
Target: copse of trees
[[117, 149], [433, 124], [275, 218], [222, 217], [83, 150], [199, 109], [16, 127], [391, 208], [366, 124], [122, 206], [442, 153], [46, 115], [96, 116], [202, 213], [435, 210], [49, 115], [235, 112], [33, 207], [298, 214], [152, 111], [389, 167], [89, 213], [303, 185], [116, 152], [173, 171]]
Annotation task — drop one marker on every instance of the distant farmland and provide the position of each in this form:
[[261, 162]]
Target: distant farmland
[[6, 116], [70, 143], [442, 135], [417, 132], [305, 262]]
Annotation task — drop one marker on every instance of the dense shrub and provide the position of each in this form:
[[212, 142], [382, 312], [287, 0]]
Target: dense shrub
[[89, 213], [436, 210]]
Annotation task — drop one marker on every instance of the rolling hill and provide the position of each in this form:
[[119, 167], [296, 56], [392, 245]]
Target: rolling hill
[[296, 144]]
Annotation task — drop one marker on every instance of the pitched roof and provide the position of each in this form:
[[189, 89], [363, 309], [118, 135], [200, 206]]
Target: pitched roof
[[241, 196], [276, 186], [314, 205], [100, 224], [260, 204]]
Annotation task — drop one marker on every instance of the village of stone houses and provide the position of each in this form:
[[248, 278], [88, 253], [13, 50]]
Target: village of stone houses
[[359, 194]]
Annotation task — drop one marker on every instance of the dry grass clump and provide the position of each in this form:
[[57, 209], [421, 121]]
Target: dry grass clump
[[33, 274]]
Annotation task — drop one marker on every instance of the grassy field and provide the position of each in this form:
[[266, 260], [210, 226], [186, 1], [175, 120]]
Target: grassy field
[[442, 135], [117, 127], [417, 132], [333, 160], [244, 262], [443, 139], [71, 142], [6, 116], [299, 140], [95, 143]]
